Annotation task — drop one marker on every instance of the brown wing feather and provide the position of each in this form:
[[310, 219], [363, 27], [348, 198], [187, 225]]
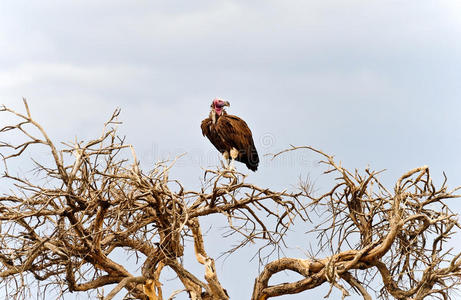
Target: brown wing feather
[[209, 130], [206, 126], [234, 132]]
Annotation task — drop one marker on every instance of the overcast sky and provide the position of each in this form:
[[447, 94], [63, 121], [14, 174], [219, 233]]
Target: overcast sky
[[376, 83]]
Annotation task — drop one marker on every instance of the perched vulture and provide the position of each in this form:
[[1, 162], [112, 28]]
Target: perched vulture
[[230, 135]]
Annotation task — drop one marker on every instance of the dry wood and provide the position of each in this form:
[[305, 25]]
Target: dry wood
[[91, 199]]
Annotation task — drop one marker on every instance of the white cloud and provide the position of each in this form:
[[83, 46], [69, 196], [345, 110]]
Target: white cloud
[[102, 76]]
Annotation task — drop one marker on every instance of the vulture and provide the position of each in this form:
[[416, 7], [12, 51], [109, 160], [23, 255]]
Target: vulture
[[230, 135]]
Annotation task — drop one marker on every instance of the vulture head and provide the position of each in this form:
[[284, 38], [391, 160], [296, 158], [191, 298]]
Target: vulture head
[[218, 105]]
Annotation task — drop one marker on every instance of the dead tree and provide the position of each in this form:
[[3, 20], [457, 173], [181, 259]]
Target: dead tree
[[90, 199], [399, 234]]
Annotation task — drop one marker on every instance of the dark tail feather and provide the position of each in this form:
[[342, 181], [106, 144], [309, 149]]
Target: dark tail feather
[[253, 168], [252, 160]]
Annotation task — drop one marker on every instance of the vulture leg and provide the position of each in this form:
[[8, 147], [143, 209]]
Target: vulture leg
[[225, 156], [234, 154]]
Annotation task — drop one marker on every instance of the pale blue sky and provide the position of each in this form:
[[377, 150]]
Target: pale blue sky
[[376, 83]]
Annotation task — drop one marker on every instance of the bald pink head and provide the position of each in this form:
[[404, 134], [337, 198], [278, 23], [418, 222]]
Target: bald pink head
[[218, 105]]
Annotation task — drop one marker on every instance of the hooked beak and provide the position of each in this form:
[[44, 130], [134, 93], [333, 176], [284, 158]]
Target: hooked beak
[[226, 103]]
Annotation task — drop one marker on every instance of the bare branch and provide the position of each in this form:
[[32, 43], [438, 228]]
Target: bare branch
[[67, 224]]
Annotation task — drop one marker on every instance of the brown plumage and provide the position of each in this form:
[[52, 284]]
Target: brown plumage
[[230, 135]]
